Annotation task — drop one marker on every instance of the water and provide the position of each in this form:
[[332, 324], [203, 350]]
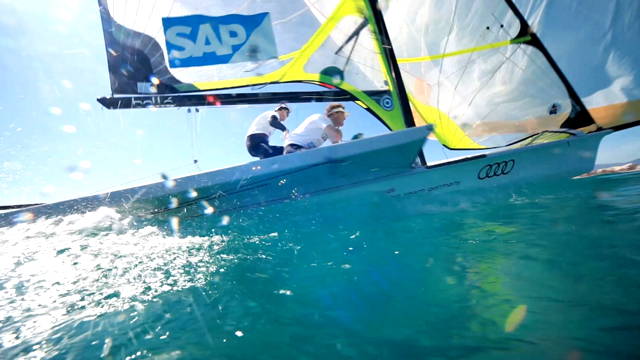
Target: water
[[546, 273]]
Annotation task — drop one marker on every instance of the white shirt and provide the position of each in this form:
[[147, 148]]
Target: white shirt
[[261, 124], [310, 134]]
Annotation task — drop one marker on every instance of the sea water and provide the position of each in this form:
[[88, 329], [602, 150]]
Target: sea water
[[551, 272]]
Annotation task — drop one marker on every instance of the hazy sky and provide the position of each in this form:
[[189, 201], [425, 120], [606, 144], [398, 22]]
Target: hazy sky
[[57, 142]]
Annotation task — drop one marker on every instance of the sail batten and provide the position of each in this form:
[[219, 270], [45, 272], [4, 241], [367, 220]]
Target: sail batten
[[465, 51]]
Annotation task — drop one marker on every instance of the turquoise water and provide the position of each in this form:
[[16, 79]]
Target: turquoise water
[[543, 273]]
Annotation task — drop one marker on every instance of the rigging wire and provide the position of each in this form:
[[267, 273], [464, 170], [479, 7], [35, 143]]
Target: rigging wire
[[506, 56], [468, 62], [479, 90], [193, 121], [355, 35], [446, 45]]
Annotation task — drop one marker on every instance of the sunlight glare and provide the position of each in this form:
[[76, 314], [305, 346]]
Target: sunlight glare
[[168, 182], [192, 194], [85, 164], [54, 110], [515, 318], [70, 129], [173, 203], [174, 223], [23, 217]]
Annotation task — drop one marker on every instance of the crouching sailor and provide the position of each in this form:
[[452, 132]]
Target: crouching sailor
[[316, 129], [261, 129]]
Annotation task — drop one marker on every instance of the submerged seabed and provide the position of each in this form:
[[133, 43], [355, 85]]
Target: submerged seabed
[[549, 272]]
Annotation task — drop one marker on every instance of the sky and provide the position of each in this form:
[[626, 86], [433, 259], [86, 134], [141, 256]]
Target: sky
[[57, 142]]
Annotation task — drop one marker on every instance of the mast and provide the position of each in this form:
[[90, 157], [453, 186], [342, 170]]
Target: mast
[[579, 116], [390, 56], [394, 68]]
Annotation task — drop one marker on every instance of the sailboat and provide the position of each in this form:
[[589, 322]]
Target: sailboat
[[476, 79]]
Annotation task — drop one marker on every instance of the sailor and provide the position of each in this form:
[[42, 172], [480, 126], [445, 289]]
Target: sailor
[[261, 129], [316, 129]]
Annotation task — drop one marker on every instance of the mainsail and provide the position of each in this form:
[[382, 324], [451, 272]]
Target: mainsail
[[475, 70], [603, 49], [177, 47], [470, 70]]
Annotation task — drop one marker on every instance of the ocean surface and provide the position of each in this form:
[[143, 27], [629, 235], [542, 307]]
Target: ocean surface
[[548, 272]]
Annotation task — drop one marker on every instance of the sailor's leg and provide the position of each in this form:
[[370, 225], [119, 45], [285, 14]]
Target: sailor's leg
[[274, 150], [258, 146], [291, 148]]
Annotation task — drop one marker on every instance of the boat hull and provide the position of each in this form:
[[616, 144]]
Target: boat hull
[[377, 170]]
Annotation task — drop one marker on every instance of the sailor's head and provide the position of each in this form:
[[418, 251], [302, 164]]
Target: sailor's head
[[336, 113], [283, 111]]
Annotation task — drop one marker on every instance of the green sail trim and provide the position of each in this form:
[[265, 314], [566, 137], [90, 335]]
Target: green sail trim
[[294, 70], [466, 51], [445, 129]]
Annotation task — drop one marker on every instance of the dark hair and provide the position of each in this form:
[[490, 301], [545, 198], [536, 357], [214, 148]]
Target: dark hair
[[283, 106]]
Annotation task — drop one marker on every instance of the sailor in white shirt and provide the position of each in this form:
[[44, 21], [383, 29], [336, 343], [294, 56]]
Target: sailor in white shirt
[[316, 129], [261, 129]]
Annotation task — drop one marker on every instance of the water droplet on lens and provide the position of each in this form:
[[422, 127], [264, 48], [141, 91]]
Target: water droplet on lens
[[76, 175], [23, 217], [154, 79], [69, 129], [55, 110], [206, 208], [106, 348], [515, 318], [168, 183], [174, 223], [173, 203]]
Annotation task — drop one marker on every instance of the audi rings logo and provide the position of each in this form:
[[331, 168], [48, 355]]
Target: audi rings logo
[[496, 169]]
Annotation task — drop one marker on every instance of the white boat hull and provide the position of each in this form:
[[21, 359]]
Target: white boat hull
[[374, 169]]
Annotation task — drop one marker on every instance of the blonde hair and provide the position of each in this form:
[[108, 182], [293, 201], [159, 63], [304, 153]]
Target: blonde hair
[[332, 107]]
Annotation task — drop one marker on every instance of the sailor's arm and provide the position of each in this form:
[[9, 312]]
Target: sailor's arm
[[334, 133], [276, 123]]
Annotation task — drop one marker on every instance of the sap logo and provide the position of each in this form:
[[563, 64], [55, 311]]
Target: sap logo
[[206, 40], [199, 40]]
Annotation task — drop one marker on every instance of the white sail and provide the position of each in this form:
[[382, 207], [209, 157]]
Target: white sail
[[603, 48]]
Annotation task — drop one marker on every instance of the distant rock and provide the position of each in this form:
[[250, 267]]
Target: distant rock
[[604, 166], [630, 167]]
